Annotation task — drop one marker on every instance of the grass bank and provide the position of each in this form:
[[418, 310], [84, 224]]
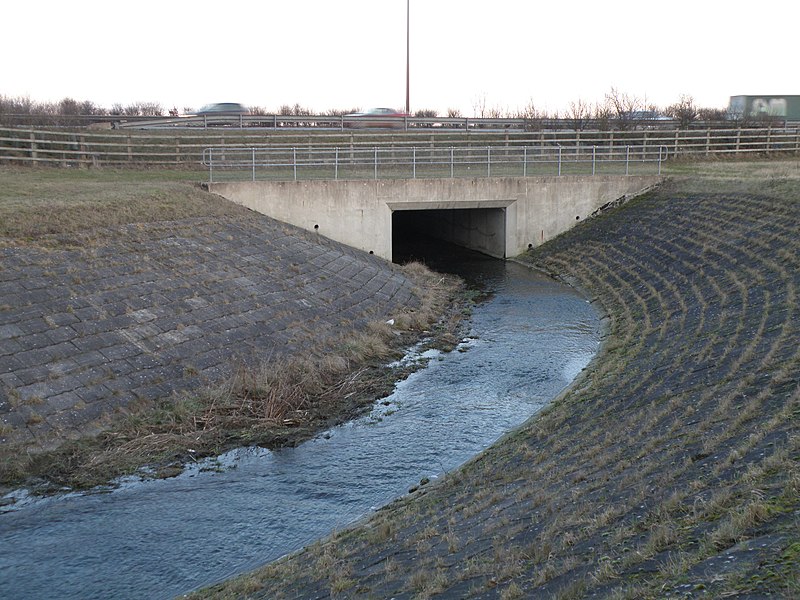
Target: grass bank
[[37, 204], [671, 470]]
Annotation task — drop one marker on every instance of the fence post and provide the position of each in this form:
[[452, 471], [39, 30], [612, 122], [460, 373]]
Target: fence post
[[644, 147], [294, 162], [336, 163], [451, 162], [82, 159], [210, 165], [488, 161], [34, 154], [376, 162], [627, 158], [594, 159], [414, 162], [254, 163]]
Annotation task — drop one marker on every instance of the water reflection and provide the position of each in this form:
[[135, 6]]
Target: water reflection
[[161, 538]]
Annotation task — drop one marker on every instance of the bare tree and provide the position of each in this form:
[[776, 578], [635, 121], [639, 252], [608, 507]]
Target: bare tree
[[715, 114], [533, 116], [338, 112], [479, 107], [684, 111], [624, 107], [426, 113], [151, 109], [453, 113], [578, 114], [87, 107], [602, 116], [295, 110], [497, 113]]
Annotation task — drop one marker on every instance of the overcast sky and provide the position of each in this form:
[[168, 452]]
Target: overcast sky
[[343, 54]]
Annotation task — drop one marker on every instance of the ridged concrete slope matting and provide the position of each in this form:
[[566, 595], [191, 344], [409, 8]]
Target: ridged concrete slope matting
[[165, 307], [670, 470]]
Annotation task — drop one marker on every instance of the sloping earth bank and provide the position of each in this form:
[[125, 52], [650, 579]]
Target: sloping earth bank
[[104, 323], [669, 470]]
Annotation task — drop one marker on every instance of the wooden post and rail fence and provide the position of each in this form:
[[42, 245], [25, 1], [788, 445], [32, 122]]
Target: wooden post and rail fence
[[185, 149]]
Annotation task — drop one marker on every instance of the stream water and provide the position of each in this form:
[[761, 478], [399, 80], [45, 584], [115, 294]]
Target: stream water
[[158, 539]]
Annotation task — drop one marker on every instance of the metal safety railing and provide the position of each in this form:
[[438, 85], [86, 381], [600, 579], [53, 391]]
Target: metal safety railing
[[403, 162]]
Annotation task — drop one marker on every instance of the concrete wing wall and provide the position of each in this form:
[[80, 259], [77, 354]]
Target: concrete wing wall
[[359, 213]]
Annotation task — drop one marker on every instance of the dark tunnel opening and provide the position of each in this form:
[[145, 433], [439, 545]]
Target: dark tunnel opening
[[428, 235]]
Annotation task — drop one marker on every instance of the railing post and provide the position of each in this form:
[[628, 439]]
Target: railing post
[[254, 164], [294, 162], [210, 165], [376, 162], [594, 159], [627, 158], [336, 164], [525, 161], [559, 160], [451, 162], [488, 161], [414, 162]]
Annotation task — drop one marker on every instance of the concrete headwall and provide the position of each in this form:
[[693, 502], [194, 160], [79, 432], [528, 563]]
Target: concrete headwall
[[359, 213]]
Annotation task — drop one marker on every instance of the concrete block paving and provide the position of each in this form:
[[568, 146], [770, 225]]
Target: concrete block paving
[[165, 308]]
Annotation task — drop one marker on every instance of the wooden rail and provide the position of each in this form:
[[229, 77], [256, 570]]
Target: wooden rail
[[82, 147]]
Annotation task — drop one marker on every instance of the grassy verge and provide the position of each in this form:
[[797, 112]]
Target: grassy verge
[[36, 202]]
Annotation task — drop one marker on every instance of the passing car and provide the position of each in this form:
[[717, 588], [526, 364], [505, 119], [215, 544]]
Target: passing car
[[385, 118], [223, 109]]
